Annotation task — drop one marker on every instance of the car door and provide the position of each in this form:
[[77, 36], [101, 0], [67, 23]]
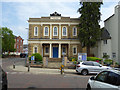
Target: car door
[[106, 80], [97, 67], [89, 66], [100, 79], [113, 80]]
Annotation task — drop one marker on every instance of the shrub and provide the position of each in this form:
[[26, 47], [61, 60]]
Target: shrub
[[38, 57], [108, 61], [94, 59], [106, 56], [70, 58]]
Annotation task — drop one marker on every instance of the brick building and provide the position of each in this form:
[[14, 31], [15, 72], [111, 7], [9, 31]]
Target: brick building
[[18, 45], [54, 35]]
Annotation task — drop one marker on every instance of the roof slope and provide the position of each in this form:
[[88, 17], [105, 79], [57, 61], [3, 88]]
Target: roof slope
[[105, 34]]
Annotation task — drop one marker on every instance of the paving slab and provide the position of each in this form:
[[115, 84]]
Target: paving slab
[[21, 68]]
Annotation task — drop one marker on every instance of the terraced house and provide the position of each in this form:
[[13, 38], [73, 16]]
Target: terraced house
[[54, 35]]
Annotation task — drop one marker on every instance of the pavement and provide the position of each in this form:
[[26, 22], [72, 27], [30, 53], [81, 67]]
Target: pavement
[[33, 70], [21, 68]]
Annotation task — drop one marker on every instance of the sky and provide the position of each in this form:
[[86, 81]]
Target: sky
[[15, 13]]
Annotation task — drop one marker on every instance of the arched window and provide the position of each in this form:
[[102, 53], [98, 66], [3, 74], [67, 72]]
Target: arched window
[[46, 31], [64, 31], [75, 50], [74, 31], [35, 50], [35, 31], [55, 31]]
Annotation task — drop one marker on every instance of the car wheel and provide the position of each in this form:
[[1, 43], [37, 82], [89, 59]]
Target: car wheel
[[84, 72], [88, 87]]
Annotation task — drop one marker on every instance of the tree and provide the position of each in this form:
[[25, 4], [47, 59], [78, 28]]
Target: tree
[[7, 40], [89, 28]]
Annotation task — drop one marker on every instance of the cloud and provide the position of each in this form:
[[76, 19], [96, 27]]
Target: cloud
[[40, 0], [17, 13], [15, 16], [26, 10], [107, 11]]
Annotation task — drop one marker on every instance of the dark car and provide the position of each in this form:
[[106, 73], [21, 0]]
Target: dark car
[[23, 55], [3, 79]]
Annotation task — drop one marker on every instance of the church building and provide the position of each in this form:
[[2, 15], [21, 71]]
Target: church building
[[54, 36]]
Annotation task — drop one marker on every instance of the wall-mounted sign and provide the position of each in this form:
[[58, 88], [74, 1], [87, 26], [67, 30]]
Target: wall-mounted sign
[[82, 56], [32, 57]]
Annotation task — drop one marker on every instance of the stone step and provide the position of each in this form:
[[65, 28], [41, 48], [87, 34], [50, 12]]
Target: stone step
[[54, 60]]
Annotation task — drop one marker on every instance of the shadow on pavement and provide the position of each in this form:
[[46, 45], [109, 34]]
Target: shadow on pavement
[[79, 74]]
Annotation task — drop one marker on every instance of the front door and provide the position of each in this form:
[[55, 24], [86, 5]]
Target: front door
[[55, 52]]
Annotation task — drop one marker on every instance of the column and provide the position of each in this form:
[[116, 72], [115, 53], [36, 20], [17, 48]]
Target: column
[[50, 54], [69, 50], [41, 31], [41, 49], [60, 50], [59, 31], [50, 31], [69, 31]]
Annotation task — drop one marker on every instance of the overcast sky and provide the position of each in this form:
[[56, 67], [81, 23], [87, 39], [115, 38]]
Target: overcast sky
[[15, 13]]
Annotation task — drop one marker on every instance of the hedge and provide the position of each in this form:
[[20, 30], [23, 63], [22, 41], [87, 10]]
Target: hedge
[[94, 59]]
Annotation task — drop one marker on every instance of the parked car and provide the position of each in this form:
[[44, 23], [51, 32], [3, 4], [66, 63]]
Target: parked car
[[3, 79], [23, 55], [88, 67], [105, 79]]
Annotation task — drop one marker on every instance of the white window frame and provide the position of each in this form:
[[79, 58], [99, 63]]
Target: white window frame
[[62, 31], [44, 31], [34, 49], [76, 31], [53, 31], [73, 50], [105, 41], [17, 40], [45, 51], [17, 46], [104, 53], [34, 31], [113, 55]]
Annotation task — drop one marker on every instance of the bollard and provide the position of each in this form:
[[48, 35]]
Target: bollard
[[61, 70], [28, 68], [13, 65]]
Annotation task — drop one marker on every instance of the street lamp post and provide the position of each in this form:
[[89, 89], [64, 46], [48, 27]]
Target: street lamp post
[[27, 47]]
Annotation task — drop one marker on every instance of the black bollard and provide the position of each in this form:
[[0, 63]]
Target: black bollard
[[13, 65], [28, 68]]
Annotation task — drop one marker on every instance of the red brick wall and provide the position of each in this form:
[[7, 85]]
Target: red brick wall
[[19, 44]]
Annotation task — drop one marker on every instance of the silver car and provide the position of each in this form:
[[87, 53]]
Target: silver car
[[88, 67], [106, 79]]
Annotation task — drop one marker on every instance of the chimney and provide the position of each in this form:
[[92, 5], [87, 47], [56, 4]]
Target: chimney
[[117, 7]]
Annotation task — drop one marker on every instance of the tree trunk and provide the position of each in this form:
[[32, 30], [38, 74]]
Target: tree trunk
[[88, 51]]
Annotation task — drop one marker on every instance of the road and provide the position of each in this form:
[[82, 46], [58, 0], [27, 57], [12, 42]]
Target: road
[[30, 80]]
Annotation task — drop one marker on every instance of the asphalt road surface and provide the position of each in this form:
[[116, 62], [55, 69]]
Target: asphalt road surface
[[28, 80]]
